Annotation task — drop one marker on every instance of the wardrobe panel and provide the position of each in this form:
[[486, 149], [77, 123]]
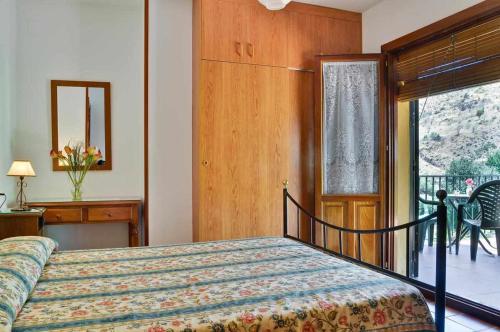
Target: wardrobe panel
[[223, 27], [243, 150]]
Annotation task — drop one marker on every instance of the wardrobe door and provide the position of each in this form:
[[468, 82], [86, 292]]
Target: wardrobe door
[[242, 146], [267, 35], [345, 36], [268, 148], [303, 41], [301, 147], [312, 35], [224, 25], [223, 102]]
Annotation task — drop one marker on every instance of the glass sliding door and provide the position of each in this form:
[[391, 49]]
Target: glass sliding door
[[456, 147]]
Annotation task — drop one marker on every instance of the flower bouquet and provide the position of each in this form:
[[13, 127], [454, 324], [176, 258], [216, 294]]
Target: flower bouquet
[[470, 186], [78, 161]]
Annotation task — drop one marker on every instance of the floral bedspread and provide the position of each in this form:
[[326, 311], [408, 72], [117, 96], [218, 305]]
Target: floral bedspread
[[265, 284]]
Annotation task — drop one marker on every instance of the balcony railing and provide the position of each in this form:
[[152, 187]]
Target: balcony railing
[[429, 184]]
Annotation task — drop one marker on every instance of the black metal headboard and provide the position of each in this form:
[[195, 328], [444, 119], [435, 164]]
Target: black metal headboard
[[440, 214]]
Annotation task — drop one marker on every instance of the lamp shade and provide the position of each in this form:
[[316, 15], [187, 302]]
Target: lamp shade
[[274, 4], [21, 168]]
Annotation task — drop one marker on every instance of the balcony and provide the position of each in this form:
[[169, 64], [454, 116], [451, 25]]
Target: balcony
[[474, 280]]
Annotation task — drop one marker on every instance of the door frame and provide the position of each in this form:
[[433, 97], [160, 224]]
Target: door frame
[[414, 187], [463, 19]]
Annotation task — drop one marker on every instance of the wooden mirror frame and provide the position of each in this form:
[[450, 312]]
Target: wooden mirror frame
[[54, 84]]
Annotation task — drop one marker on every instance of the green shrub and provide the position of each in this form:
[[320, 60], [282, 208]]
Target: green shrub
[[480, 112], [435, 137], [484, 149], [463, 167], [494, 161]]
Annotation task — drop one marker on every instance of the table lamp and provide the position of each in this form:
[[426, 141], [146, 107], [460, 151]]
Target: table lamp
[[21, 168]]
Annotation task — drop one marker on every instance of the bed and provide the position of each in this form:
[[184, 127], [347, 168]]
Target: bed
[[251, 285]]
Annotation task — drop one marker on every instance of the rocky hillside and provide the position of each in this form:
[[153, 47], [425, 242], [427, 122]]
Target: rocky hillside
[[461, 124]]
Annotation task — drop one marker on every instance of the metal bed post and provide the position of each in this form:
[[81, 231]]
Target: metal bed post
[[285, 209], [441, 262]]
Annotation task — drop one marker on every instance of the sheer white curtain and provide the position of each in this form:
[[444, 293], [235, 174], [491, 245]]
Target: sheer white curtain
[[350, 127]]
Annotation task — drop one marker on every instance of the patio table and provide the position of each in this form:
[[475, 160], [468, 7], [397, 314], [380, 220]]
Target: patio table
[[455, 200]]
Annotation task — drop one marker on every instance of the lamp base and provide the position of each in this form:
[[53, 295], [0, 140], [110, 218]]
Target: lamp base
[[21, 197]]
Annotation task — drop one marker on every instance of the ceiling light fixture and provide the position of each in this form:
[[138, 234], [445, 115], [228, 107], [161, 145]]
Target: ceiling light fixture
[[274, 4]]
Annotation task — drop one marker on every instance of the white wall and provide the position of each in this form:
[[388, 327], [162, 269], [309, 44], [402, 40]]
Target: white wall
[[391, 19], [7, 61], [91, 40], [170, 148]]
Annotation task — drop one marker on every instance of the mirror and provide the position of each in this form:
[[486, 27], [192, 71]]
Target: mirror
[[81, 113]]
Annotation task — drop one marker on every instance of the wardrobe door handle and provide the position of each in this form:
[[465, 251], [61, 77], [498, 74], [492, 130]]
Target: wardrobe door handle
[[238, 48], [204, 163], [250, 49]]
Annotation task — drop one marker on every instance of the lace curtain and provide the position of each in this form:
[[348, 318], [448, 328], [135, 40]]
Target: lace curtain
[[350, 127]]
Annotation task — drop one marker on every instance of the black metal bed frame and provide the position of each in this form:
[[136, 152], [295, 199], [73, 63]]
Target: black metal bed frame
[[439, 290]]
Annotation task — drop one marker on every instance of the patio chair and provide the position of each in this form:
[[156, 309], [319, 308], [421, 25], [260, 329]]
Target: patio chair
[[488, 196], [428, 227]]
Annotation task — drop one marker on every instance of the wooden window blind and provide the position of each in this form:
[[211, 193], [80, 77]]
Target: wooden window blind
[[462, 59]]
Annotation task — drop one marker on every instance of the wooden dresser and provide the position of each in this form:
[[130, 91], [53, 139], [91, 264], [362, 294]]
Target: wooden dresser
[[94, 212]]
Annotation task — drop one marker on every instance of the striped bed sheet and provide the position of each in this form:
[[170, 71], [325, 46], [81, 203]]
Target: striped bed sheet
[[251, 285]]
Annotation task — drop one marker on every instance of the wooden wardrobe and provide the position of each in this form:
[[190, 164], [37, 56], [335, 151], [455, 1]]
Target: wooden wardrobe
[[253, 110]]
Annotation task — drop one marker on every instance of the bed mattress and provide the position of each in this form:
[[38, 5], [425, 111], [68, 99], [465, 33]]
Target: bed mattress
[[251, 285]]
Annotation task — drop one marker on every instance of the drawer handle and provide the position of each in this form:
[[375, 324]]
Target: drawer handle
[[238, 48], [250, 49], [109, 214], [58, 217]]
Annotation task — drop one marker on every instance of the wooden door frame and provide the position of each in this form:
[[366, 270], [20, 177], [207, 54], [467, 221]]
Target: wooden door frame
[[145, 213], [318, 133], [456, 22]]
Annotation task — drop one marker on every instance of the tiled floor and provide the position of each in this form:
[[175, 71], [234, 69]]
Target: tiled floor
[[459, 322], [477, 281]]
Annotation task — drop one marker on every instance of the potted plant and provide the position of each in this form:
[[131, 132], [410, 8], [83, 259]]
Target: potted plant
[[78, 160]]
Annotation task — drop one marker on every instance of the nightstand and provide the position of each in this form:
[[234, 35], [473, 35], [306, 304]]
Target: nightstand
[[21, 223]]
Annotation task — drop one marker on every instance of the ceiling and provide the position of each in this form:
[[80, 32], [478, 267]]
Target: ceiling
[[352, 5]]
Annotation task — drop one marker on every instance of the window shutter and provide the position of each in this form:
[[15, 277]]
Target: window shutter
[[465, 58]]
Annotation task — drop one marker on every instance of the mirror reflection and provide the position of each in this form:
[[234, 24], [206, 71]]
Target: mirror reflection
[[81, 114]]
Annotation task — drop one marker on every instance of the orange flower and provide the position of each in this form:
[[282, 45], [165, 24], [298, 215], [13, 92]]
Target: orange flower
[[68, 150], [247, 318], [79, 313], [98, 155], [325, 305], [378, 317], [156, 329], [308, 327], [409, 309], [54, 154]]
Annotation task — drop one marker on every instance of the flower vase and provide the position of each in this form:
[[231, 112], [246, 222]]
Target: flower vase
[[469, 190], [77, 192]]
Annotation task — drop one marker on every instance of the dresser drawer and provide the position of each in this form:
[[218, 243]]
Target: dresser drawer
[[110, 214], [63, 215]]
